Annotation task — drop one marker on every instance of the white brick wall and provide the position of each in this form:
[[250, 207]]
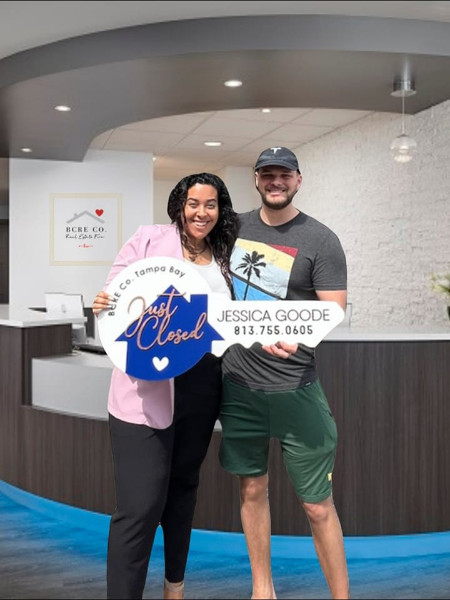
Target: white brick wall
[[393, 219]]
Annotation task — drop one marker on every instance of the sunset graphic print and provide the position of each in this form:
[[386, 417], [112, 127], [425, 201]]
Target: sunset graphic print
[[261, 271]]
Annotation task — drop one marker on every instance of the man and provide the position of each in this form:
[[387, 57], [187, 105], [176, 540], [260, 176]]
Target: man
[[273, 391]]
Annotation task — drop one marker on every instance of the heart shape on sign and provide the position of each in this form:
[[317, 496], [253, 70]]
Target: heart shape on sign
[[99, 212], [160, 363]]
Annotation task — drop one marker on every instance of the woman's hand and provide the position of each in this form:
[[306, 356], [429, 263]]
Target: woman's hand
[[101, 302]]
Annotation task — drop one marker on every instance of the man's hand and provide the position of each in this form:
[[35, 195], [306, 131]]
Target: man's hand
[[281, 349]]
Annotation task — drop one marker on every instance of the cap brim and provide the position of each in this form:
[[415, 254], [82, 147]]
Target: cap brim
[[276, 163]]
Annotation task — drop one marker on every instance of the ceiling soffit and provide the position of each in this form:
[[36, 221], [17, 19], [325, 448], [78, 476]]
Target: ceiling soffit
[[136, 73]]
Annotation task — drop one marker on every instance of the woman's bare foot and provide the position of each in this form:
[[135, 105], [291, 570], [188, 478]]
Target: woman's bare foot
[[267, 594], [173, 591]]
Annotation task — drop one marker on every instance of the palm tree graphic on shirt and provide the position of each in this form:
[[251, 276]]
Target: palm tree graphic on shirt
[[251, 264]]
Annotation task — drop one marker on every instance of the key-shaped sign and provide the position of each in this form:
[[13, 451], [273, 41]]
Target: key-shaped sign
[[164, 317]]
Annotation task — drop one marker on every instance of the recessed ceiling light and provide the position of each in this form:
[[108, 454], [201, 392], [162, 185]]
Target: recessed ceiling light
[[62, 108], [26, 150], [233, 83], [266, 110], [212, 143]]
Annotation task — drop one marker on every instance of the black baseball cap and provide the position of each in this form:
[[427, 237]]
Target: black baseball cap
[[277, 156]]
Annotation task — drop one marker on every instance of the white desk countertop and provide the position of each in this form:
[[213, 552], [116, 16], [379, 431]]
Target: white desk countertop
[[388, 334], [25, 317]]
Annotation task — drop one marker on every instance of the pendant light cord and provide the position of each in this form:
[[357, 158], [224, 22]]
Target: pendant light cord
[[403, 114]]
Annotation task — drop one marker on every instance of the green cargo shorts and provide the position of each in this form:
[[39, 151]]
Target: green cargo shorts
[[300, 419]]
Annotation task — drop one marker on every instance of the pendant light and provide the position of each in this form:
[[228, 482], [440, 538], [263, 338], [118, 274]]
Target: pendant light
[[403, 147]]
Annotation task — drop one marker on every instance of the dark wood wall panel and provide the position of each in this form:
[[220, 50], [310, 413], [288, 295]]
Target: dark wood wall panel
[[4, 260], [11, 386], [61, 457], [67, 459], [391, 403]]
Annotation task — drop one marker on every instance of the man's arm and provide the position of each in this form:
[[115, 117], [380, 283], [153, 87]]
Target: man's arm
[[339, 296], [283, 349]]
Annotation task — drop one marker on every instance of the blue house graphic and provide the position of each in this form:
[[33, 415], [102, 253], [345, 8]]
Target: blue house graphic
[[170, 337]]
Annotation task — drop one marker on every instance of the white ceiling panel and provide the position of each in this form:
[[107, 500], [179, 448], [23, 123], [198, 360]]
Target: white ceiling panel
[[175, 124], [296, 134], [194, 143], [142, 141], [330, 117], [276, 115], [178, 140], [218, 126]]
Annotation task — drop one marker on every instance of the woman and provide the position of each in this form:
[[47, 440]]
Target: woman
[[160, 430]]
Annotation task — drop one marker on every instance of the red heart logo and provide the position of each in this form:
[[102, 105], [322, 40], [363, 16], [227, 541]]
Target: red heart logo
[[99, 212]]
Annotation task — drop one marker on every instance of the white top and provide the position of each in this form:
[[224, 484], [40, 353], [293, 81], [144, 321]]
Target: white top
[[25, 317], [213, 276]]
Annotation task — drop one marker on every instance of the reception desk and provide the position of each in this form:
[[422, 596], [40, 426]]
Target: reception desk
[[389, 392]]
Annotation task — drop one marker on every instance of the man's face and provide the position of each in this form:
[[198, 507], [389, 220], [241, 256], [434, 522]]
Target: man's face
[[277, 186]]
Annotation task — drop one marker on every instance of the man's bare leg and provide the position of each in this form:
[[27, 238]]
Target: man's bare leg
[[255, 516], [329, 544]]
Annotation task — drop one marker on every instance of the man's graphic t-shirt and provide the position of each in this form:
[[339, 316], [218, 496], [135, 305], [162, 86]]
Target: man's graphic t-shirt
[[261, 271], [285, 262]]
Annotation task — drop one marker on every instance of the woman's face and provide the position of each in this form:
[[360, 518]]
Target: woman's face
[[201, 211]]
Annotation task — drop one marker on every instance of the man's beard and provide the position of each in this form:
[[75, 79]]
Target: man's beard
[[276, 205]]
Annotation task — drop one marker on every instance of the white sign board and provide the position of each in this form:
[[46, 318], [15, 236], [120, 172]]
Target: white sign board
[[164, 318]]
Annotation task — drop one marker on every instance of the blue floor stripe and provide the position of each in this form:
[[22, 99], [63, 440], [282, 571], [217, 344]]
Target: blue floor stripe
[[283, 546]]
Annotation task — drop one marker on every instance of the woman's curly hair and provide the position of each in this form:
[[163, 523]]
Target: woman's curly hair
[[222, 237]]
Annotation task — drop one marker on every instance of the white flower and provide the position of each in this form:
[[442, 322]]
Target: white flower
[[441, 283]]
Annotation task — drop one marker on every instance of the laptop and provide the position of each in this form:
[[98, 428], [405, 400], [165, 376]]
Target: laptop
[[90, 347]]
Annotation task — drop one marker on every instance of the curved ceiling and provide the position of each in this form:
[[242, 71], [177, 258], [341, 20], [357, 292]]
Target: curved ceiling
[[24, 25], [135, 61]]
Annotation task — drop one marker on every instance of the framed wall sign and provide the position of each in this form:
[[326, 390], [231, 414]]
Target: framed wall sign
[[85, 229]]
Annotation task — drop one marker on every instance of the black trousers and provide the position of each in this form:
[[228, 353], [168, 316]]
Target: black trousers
[[156, 474]]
